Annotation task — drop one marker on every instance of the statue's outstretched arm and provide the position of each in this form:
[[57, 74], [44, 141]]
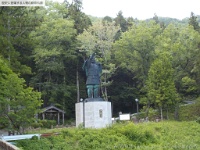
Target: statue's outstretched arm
[[92, 56]]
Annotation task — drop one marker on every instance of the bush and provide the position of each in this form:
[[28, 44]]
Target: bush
[[36, 125], [48, 123], [198, 120], [151, 113], [190, 112], [143, 136]]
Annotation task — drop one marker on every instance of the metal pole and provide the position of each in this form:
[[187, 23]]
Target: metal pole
[[83, 113], [137, 101]]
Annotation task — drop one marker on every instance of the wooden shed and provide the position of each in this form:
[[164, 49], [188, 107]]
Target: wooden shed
[[52, 112]]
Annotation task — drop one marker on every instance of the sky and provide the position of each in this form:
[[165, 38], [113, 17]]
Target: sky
[[141, 9]]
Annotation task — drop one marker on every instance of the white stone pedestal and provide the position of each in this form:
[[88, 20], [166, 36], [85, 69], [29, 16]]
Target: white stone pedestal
[[93, 114]]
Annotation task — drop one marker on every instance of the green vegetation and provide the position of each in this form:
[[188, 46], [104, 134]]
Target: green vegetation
[[161, 89], [42, 50], [18, 103], [160, 136], [44, 124], [190, 112]]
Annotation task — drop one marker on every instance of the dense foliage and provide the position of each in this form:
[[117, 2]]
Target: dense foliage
[[160, 136], [190, 112], [18, 103], [45, 47]]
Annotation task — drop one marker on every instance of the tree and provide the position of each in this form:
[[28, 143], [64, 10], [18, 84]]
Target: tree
[[107, 19], [18, 104], [130, 21], [193, 22], [55, 58], [135, 50], [161, 89], [15, 25], [155, 18], [188, 86], [81, 20], [182, 42], [123, 92], [121, 21]]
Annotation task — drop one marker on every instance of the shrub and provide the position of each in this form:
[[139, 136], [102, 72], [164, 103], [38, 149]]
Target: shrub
[[47, 123], [190, 112], [143, 136], [36, 125], [198, 120]]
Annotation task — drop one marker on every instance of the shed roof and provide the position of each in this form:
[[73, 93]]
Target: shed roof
[[52, 109]]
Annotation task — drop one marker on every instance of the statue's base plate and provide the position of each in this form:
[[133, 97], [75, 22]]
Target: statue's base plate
[[94, 99]]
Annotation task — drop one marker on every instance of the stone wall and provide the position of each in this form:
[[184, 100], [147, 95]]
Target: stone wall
[[7, 146]]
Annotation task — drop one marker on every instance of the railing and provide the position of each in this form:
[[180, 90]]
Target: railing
[[18, 137]]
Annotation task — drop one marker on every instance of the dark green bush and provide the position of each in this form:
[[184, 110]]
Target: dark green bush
[[47, 123], [198, 120], [36, 125]]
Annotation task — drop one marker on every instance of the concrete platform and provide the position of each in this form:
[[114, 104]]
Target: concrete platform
[[93, 114]]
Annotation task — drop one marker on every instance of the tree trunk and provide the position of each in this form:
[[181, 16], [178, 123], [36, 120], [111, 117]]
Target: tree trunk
[[105, 88], [167, 113], [111, 108], [161, 113], [147, 110], [106, 94], [176, 115], [8, 35]]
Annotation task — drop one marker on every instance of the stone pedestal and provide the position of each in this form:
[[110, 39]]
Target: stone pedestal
[[93, 114]]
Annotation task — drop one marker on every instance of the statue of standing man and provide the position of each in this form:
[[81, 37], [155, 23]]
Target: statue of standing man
[[93, 71]]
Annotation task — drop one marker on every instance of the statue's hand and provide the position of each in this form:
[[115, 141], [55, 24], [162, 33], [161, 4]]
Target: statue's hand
[[92, 56]]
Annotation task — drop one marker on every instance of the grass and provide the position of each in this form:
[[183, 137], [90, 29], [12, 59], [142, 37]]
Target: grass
[[166, 135]]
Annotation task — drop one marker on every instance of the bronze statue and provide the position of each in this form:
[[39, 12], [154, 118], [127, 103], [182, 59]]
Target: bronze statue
[[93, 71]]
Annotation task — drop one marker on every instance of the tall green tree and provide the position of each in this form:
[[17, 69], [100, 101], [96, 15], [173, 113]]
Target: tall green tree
[[121, 21], [136, 49], [15, 25], [18, 104], [54, 55], [182, 42], [193, 22], [161, 89], [81, 20]]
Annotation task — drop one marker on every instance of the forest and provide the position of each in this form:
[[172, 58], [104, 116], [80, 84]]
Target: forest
[[42, 50]]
